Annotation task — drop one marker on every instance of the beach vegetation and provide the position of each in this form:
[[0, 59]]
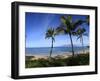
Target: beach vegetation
[[77, 60]]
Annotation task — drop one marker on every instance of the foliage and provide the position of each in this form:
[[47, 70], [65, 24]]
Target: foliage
[[81, 59]]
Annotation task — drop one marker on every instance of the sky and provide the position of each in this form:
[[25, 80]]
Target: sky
[[36, 25]]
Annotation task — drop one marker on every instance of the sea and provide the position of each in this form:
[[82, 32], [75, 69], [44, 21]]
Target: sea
[[56, 50]]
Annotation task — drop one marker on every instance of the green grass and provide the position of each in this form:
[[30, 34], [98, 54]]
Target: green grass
[[77, 60]]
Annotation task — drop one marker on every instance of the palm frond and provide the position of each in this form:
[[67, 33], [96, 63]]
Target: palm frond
[[69, 18], [63, 20], [77, 24], [50, 33], [61, 30], [66, 22], [74, 33], [79, 37], [81, 30]]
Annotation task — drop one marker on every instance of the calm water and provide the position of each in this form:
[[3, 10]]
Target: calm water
[[56, 50]]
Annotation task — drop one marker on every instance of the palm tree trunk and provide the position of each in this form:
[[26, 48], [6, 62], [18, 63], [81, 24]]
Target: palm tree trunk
[[83, 45], [51, 48], [71, 44]]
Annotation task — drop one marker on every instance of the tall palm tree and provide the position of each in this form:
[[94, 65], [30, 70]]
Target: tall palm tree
[[50, 33], [80, 33], [68, 27]]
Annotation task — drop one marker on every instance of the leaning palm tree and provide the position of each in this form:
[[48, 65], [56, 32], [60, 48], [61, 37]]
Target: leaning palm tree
[[68, 27], [80, 33], [50, 33]]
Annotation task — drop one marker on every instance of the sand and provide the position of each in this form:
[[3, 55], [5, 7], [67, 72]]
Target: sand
[[64, 55]]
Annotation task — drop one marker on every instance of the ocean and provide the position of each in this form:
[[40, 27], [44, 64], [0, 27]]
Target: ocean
[[56, 50]]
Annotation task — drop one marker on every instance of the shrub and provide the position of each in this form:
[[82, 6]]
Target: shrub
[[82, 59]]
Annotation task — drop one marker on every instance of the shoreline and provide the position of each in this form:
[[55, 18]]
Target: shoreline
[[64, 55]]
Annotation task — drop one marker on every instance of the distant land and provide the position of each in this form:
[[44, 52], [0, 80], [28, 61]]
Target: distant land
[[62, 46], [70, 45]]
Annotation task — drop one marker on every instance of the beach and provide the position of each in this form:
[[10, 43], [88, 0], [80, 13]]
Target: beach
[[60, 59], [46, 56]]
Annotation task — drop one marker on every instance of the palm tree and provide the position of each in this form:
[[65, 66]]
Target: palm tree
[[50, 33], [80, 33], [68, 27], [88, 20]]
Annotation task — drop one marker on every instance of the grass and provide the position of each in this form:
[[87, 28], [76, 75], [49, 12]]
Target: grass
[[77, 60]]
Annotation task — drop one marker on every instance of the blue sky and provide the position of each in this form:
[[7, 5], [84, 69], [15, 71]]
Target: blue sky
[[36, 25]]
